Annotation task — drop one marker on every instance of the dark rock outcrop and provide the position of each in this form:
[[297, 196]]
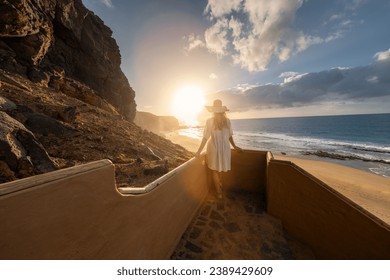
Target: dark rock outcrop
[[6, 105], [20, 152], [44, 125], [62, 44]]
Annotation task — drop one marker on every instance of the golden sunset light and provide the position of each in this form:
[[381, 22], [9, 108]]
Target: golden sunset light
[[196, 131], [188, 101]]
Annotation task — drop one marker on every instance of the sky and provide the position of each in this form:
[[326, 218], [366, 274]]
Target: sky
[[262, 58]]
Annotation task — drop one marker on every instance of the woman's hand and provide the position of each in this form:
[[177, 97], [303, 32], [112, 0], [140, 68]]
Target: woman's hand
[[238, 149]]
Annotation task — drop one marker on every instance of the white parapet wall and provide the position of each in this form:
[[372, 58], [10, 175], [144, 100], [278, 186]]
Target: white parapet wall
[[330, 223], [78, 213]]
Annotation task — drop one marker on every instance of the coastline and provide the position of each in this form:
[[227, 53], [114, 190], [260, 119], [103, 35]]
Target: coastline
[[190, 143], [370, 191], [190, 139]]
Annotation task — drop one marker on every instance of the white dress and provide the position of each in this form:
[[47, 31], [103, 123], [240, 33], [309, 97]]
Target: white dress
[[218, 146]]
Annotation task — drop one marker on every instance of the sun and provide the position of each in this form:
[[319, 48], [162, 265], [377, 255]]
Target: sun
[[188, 101]]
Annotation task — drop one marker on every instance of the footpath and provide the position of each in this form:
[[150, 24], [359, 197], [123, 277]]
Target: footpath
[[237, 227]]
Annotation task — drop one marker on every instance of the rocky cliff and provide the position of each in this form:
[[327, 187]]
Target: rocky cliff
[[156, 124], [64, 100], [62, 45]]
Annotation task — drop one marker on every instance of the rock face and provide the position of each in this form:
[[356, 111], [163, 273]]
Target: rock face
[[61, 44], [64, 100], [156, 124]]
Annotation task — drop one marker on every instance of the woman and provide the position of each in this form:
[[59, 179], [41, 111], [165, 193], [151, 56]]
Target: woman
[[220, 131]]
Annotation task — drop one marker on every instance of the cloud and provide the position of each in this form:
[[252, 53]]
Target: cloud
[[260, 32], [218, 8], [344, 20], [213, 76], [290, 76], [268, 34], [255, 32], [380, 56], [107, 3], [193, 42], [334, 86], [216, 37], [236, 27], [353, 5]]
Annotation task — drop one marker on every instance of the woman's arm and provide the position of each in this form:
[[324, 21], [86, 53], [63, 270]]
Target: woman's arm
[[233, 144], [204, 141]]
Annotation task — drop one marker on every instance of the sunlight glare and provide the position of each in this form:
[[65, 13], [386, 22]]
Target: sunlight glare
[[187, 103]]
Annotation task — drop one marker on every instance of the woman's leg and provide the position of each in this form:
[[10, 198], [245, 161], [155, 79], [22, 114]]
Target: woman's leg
[[217, 180]]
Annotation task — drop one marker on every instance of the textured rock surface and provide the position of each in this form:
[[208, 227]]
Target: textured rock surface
[[6, 105], [59, 43], [20, 152], [73, 132], [156, 124]]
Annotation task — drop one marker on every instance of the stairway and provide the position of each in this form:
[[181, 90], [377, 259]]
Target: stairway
[[237, 227]]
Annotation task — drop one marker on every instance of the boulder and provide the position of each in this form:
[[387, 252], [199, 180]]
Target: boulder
[[68, 114], [159, 168], [44, 125], [20, 150], [6, 174], [6, 105]]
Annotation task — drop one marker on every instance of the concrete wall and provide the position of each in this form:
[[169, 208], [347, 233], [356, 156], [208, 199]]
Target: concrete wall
[[249, 171], [78, 213], [333, 226]]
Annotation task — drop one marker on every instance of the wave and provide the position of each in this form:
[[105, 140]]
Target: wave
[[192, 132], [296, 141], [369, 156], [315, 142], [381, 170], [367, 148]]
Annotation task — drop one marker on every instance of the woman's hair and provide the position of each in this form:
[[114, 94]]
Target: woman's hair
[[220, 121]]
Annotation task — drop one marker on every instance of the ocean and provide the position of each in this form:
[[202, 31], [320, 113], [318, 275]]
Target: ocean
[[359, 141]]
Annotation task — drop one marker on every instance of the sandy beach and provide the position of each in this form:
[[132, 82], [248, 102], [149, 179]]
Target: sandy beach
[[368, 190], [191, 144]]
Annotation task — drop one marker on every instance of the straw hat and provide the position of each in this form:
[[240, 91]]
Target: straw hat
[[217, 107]]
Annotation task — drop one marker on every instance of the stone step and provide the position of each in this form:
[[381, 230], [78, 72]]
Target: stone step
[[237, 227]]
